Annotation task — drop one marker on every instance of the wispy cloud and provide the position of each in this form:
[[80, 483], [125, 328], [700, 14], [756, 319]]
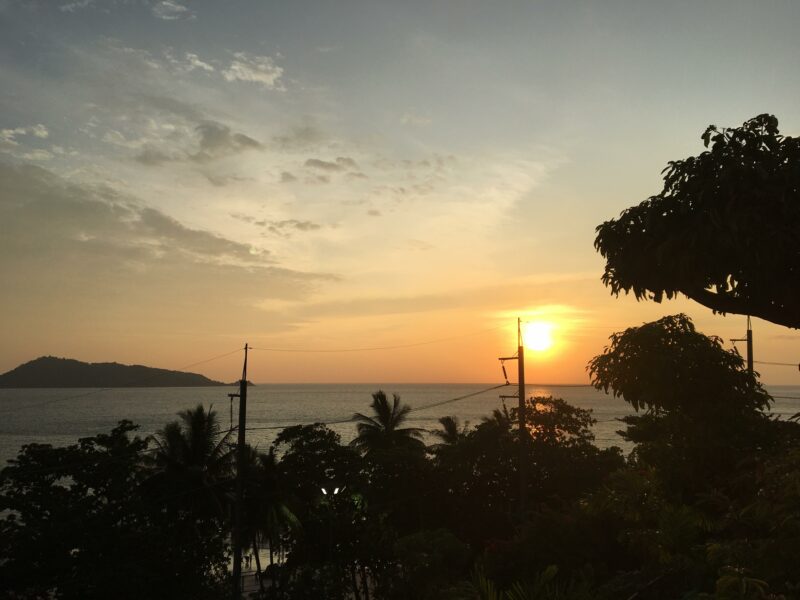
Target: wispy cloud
[[188, 62], [9, 136], [75, 6], [218, 140], [411, 118], [171, 10], [300, 137], [323, 165], [252, 68], [342, 163]]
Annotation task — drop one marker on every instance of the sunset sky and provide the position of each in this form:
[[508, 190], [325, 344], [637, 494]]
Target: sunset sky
[[178, 178]]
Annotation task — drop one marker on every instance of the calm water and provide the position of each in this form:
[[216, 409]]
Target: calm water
[[61, 416]]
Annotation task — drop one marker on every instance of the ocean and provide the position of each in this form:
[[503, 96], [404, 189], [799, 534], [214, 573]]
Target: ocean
[[61, 416]]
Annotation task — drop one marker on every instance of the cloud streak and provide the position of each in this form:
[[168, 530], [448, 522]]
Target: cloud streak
[[252, 68], [171, 10]]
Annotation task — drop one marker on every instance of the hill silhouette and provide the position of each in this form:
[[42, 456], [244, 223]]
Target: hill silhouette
[[53, 372]]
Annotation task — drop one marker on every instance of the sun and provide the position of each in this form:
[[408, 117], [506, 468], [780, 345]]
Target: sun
[[537, 335]]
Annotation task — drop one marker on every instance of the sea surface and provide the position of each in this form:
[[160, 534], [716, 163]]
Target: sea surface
[[61, 416]]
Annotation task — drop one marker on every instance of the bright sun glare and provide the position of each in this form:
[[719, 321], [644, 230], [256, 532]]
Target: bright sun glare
[[537, 335]]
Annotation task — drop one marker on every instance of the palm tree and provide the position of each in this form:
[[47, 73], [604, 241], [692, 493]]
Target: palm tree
[[501, 420], [382, 431], [452, 431], [192, 463], [267, 512]]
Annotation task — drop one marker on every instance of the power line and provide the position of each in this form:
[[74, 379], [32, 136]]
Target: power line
[[350, 419], [443, 402], [776, 364]]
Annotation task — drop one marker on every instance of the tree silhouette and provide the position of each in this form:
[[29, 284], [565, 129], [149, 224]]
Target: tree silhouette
[[724, 231], [383, 431], [266, 506], [193, 462], [74, 524], [701, 411], [669, 366], [452, 430]]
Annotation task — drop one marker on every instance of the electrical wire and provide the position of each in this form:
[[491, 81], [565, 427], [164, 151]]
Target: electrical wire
[[443, 402], [351, 420], [776, 364]]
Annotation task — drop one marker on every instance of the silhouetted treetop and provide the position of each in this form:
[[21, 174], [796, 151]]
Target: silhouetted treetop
[[668, 365], [382, 430], [724, 231]]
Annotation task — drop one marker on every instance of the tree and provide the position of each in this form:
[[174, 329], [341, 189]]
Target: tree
[[667, 366], [193, 463], [267, 506], [702, 412], [724, 231], [383, 431], [74, 525], [452, 430]]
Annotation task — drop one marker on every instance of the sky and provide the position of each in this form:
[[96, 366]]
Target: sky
[[180, 178]]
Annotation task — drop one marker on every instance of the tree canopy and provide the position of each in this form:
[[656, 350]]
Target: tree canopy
[[382, 431], [667, 365], [724, 230]]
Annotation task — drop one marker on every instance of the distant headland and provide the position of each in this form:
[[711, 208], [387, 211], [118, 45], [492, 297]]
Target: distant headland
[[53, 372]]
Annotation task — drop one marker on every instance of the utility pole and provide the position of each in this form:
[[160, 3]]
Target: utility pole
[[523, 429], [238, 508], [749, 340]]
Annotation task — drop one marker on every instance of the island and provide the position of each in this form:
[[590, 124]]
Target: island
[[54, 372]]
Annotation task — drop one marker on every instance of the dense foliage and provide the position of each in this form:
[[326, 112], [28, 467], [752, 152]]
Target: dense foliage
[[724, 230]]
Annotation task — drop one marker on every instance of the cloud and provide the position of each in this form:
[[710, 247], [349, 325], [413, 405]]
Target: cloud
[[342, 163], [194, 62], [261, 70], [280, 226], [178, 132], [346, 162], [189, 62], [75, 212], [374, 213], [300, 137], [173, 106], [324, 165], [36, 155], [152, 157], [221, 180], [78, 258], [9, 136], [171, 10], [217, 140], [414, 119], [287, 177], [75, 6]]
